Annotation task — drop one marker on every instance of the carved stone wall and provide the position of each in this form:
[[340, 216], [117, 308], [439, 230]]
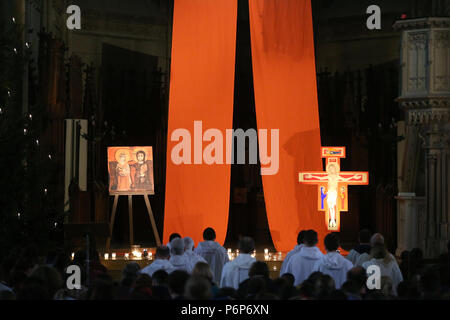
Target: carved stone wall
[[425, 99]]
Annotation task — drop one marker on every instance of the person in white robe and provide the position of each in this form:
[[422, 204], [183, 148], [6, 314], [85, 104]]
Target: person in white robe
[[363, 247], [333, 264], [214, 254], [387, 264], [171, 237], [189, 252], [161, 262], [302, 263], [236, 271], [290, 254], [177, 257], [377, 238]]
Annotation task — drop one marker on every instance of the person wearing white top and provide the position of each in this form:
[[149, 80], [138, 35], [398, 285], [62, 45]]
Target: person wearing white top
[[387, 264], [302, 263], [377, 238], [333, 264], [363, 247], [214, 254], [171, 237], [236, 271], [161, 262], [290, 254], [177, 257], [190, 254]]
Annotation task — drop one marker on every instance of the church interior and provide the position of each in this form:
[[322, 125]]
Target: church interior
[[382, 93]]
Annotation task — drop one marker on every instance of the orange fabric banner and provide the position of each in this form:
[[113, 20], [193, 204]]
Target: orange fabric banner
[[284, 76], [201, 88]]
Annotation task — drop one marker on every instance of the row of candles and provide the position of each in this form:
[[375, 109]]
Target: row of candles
[[136, 254], [268, 256]]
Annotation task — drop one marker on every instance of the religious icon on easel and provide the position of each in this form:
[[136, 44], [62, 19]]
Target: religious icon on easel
[[332, 185], [131, 173], [130, 170]]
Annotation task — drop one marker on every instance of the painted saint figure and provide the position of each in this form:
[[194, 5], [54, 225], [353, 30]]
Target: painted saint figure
[[142, 172], [123, 172]]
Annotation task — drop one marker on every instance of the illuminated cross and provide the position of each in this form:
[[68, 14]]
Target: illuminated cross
[[333, 184]]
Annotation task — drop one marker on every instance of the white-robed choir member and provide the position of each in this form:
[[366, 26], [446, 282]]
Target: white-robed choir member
[[236, 271], [214, 254], [363, 247], [177, 257], [161, 262], [171, 237], [333, 264], [302, 263], [189, 252], [290, 254], [387, 264], [377, 238]]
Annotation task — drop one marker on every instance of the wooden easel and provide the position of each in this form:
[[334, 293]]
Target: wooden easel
[[130, 217]]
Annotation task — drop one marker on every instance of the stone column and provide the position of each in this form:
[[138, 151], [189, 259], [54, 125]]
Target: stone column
[[425, 99]]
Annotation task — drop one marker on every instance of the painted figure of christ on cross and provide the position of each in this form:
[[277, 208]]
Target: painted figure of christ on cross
[[332, 185]]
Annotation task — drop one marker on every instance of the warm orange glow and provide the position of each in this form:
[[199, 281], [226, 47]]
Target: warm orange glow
[[286, 98], [201, 88]]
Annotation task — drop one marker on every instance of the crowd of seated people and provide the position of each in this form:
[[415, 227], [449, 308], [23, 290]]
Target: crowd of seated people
[[183, 271]]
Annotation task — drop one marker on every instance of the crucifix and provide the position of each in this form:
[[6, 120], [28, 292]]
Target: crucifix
[[333, 185]]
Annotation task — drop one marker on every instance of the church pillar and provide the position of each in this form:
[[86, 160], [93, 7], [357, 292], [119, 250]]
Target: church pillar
[[425, 99]]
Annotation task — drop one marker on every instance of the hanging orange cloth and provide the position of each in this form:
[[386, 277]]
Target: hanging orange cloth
[[284, 76], [201, 88]]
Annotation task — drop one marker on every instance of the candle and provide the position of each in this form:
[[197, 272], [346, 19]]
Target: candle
[[150, 256], [127, 255], [113, 255], [266, 251], [73, 255], [274, 268], [266, 257], [106, 256]]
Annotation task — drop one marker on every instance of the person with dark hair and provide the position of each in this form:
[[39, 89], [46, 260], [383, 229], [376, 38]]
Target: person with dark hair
[[363, 247], [161, 262], [213, 253], [172, 237], [259, 269], [129, 275], [198, 288], [160, 286], [333, 264], [236, 271], [297, 248], [387, 264], [358, 276], [177, 282], [302, 263]]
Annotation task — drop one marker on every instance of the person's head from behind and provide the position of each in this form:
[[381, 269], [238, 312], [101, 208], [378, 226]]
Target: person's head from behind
[[188, 244], [246, 245], [416, 256], [202, 269], [259, 268], [332, 242], [289, 277], [174, 236], [311, 238], [198, 288], [358, 278], [364, 236], [379, 251], [301, 237], [130, 272], [50, 276], [177, 282], [177, 247], [209, 234], [159, 278], [162, 253], [377, 238]]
